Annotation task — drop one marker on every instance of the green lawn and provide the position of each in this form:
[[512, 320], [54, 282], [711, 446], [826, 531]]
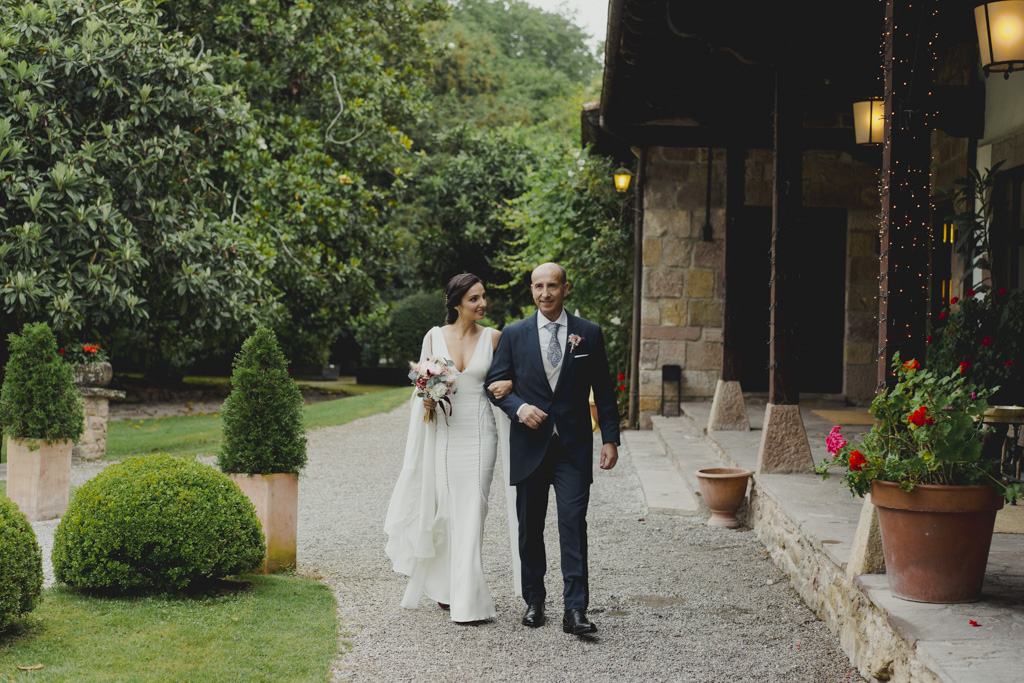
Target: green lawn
[[282, 628], [200, 434]]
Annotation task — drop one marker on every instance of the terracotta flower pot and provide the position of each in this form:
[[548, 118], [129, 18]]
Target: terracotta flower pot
[[276, 499], [936, 539], [723, 490], [39, 477]]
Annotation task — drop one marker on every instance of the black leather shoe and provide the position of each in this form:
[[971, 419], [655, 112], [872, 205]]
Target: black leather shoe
[[575, 622], [534, 615]]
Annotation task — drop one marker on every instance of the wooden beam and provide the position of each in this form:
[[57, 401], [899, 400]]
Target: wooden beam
[[905, 186], [787, 197], [735, 198]]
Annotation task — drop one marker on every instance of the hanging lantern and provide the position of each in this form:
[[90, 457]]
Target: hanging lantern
[[869, 121], [1001, 36], [622, 177]]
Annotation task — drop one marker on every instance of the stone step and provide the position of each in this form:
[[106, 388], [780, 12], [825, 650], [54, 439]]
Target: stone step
[[687, 448], [665, 491]]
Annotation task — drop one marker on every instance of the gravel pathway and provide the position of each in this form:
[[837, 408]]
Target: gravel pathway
[[675, 600]]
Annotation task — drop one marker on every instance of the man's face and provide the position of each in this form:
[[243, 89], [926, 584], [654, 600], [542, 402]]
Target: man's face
[[548, 291]]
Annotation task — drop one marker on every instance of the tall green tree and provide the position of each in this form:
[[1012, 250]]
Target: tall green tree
[[111, 211], [335, 88]]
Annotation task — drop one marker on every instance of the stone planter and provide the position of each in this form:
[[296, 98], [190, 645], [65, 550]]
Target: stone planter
[[93, 374], [39, 477], [723, 490], [936, 539], [276, 498]]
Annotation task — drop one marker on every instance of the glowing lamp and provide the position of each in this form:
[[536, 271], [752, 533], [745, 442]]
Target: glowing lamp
[[869, 121], [1001, 36], [622, 177]]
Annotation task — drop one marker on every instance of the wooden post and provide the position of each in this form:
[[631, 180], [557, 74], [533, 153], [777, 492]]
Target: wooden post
[[638, 278], [784, 446], [905, 186], [728, 411]]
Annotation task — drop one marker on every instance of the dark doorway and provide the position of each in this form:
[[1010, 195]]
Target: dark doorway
[[821, 280]]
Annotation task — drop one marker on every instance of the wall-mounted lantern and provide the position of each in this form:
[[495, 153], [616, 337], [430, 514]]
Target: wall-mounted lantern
[[1001, 36], [622, 177], [869, 121]]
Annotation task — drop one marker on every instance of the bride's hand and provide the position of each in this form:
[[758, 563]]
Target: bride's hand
[[501, 388], [429, 403]]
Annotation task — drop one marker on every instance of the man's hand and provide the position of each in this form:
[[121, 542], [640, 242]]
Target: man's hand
[[532, 416], [609, 456]]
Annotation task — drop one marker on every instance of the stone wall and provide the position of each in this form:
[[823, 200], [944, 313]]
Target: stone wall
[[878, 652], [681, 315]]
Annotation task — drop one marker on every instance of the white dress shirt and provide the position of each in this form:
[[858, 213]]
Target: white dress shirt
[[544, 333]]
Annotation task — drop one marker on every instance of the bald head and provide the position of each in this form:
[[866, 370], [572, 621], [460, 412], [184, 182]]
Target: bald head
[[549, 270], [548, 286]]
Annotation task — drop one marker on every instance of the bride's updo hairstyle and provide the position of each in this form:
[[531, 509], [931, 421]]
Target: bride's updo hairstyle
[[453, 293]]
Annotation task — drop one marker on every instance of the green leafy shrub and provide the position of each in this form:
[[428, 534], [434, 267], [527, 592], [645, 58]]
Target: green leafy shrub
[[39, 399], [156, 522], [410, 319], [263, 432], [21, 564]]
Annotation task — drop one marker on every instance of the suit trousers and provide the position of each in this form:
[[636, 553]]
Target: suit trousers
[[572, 497]]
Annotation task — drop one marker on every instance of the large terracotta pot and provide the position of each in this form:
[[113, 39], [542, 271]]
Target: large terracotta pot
[[276, 499], [936, 539], [39, 477], [723, 490]]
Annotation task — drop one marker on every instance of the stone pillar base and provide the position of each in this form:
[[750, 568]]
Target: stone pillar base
[[39, 480], [728, 412], [784, 447], [96, 406], [866, 554], [276, 499]]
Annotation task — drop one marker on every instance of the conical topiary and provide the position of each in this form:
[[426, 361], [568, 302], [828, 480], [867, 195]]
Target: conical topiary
[[39, 399], [263, 432]]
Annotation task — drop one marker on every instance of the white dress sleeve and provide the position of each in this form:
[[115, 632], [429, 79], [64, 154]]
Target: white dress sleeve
[[410, 518]]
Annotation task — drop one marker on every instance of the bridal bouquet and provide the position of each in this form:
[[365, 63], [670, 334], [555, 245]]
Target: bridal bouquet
[[435, 380]]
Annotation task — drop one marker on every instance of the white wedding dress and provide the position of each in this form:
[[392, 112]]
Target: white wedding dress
[[435, 521]]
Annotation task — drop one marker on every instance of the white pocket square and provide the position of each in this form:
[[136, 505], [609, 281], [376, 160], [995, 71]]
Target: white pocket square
[[582, 355]]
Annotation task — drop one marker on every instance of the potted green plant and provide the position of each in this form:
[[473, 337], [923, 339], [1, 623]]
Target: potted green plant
[[264, 442], [41, 415], [936, 495]]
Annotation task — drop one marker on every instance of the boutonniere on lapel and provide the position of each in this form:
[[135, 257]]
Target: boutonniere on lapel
[[574, 341]]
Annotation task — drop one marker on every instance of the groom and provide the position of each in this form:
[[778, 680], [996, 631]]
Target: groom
[[554, 359]]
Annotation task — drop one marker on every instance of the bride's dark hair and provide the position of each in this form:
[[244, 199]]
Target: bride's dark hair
[[453, 293]]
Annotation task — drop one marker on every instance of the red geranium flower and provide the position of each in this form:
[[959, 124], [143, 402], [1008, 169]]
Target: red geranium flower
[[622, 376], [928, 340], [622, 387], [965, 366], [857, 461], [911, 365], [1008, 363], [969, 292], [62, 352], [942, 315], [920, 417], [987, 341], [1002, 291], [954, 300]]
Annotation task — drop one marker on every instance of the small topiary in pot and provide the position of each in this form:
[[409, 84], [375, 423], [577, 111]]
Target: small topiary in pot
[[155, 522], [263, 432], [39, 399], [21, 564]]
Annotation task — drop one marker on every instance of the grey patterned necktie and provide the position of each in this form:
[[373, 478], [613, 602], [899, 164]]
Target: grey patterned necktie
[[554, 348]]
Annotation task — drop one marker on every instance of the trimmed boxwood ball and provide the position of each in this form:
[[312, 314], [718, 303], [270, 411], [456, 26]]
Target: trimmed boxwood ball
[[262, 417], [21, 564], [156, 522]]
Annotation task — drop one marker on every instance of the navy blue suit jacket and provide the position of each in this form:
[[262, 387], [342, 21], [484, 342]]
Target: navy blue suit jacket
[[568, 407]]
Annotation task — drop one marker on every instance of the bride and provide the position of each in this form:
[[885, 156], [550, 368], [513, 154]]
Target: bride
[[435, 522]]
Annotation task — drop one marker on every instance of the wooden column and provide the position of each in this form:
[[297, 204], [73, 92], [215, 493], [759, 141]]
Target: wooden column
[[905, 186], [638, 278], [784, 446], [728, 411]]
